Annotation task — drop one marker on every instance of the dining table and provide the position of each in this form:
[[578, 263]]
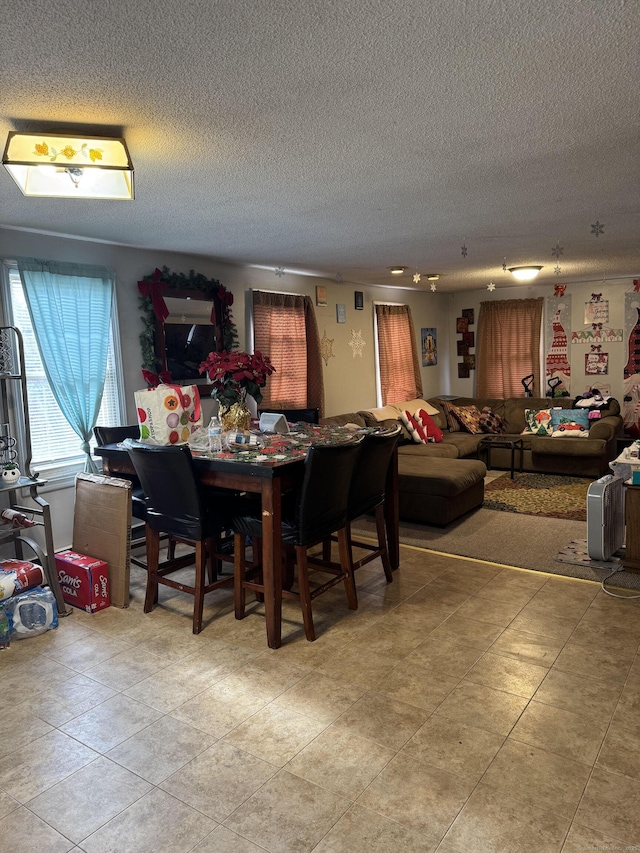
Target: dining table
[[270, 468]]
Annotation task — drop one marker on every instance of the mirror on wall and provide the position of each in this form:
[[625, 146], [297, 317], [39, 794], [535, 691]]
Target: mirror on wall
[[188, 335]]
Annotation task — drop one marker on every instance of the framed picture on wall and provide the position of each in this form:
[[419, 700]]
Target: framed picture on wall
[[469, 338], [463, 349], [467, 313], [463, 370], [429, 347], [462, 325], [358, 300], [341, 314], [321, 294]]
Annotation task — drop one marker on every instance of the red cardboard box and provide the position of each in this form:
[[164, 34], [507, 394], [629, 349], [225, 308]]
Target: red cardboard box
[[84, 581]]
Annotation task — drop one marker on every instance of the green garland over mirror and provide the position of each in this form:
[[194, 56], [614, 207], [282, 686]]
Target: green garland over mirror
[[163, 281]]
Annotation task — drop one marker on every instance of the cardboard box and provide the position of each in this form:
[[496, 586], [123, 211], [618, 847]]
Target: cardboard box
[[84, 581], [102, 528]]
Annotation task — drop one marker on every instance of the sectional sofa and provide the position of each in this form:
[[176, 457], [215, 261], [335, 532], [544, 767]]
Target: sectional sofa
[[440, 481]]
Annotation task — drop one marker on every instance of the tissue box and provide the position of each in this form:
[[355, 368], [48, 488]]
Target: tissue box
[[84, 581]]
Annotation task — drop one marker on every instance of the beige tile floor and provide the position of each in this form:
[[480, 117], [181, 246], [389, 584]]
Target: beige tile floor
[[465, 708]]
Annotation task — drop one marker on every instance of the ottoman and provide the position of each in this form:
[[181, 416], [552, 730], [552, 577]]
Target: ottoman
[[437, 491]]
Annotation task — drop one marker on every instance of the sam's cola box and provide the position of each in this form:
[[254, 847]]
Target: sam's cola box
[[84, 581]]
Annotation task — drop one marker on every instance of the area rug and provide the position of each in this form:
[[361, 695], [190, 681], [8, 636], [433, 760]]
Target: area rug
[[547, 495]]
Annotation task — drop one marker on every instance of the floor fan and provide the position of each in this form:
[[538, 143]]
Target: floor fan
[[605, 517]]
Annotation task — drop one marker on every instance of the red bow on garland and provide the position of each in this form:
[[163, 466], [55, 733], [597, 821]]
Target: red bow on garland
[[636, 284], [559, 289], [154, 379], [154, 289]]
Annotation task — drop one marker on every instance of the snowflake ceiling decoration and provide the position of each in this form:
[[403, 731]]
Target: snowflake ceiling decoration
[[356, 343], [557, 269], [491, 286], [338, 277], [416, 278], [434, 287], [597, 228], [557, 250], [504, 265], [464, 250], [326, 348], [279, 271]]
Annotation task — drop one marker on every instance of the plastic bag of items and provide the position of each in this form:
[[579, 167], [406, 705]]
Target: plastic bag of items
[[17, 576], [31, 613]]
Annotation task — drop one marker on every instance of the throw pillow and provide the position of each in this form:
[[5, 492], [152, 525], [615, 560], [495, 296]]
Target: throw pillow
[[490, 421], [570, 422], [416, 405], [468, 417], [537, 422], [421, 427], [452, 422]]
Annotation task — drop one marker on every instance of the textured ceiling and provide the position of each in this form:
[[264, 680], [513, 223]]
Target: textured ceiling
[[345, 137]]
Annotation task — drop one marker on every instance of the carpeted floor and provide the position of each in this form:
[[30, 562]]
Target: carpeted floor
[[549, 495], [508, 538]]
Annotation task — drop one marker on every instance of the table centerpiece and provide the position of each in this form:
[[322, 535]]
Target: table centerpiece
[[234, 375]]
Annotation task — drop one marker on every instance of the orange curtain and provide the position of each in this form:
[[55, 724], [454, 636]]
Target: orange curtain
[[285, 329], [508, 347], [400, 377]]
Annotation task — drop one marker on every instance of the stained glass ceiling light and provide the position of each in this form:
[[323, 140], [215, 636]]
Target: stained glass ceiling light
[[525, 273], [51, 165]]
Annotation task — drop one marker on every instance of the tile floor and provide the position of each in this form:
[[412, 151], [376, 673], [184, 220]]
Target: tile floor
[[465, 707]]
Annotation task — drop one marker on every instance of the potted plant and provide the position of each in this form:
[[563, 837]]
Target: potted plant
[[10, 473], [234, 375]]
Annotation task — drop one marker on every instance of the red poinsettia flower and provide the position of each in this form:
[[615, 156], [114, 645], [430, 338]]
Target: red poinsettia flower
[[235, 374]]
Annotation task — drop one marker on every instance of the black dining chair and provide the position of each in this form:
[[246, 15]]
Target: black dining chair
[[309, 416], [367, 495], [317, 509], [178, 507]]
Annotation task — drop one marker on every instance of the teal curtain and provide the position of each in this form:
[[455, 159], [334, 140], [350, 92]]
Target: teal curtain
[[70, 308]]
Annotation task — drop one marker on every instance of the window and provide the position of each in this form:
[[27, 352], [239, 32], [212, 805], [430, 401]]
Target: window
[[285, 329], [56, 452], [398, 367], [508, 349]]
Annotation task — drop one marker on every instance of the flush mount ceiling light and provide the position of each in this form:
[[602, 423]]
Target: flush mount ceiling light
[[525, 273], [397, 270], [52, 165], [433, 276]]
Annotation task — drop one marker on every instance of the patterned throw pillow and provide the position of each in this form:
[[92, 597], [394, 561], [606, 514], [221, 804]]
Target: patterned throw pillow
[[421, 427], [490, 421], [572, 423], [452, 422], [469, 418], [537, 422]]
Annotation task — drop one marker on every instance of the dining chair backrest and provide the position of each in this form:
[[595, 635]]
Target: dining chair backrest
[[310, 416], [114, 434], [369, 478], [174, 504], [323, 498]]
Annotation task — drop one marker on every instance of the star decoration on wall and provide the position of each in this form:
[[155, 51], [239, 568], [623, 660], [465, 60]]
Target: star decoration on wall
[[338, 277], [491, 286], [279, 271], [434, 287], [557, 250], [326, 348], [557, 269], [597, 228], [464, 250], [356, 343], [416, 277]]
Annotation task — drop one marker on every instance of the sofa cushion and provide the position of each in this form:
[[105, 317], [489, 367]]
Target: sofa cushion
[[443, 450], [570, 422], [468, 417], [537, 422], [491, 422], [354, 418], [421, 427]]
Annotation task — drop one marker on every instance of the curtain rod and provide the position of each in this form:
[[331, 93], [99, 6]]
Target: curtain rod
[[278, 292]]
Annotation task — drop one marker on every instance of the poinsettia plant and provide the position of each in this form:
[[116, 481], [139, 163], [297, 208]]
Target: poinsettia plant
[[236, 374]]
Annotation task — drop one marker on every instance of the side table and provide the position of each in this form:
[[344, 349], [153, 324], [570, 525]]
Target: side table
[[486, 444]]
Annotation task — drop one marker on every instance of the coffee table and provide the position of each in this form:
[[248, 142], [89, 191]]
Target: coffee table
[[486, 444]]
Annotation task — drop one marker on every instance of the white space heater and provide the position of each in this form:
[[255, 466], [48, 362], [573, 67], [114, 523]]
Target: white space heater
[[605, 517]]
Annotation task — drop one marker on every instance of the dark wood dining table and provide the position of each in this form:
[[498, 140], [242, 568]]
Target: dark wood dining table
[[269, 478]]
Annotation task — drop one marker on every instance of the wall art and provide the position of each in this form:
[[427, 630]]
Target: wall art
[[341, 313], [596, 362], [462, 325], [463, 349], [469, 338], [429, 338], [321, 294], [557, 365], [463, 370], [467, 313], [358, 300], [597, 335], [597, 310]]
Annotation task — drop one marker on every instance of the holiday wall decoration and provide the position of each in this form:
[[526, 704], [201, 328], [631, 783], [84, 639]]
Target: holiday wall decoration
[[429, 338], [631, 385], [468, 362], [557, 365]]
